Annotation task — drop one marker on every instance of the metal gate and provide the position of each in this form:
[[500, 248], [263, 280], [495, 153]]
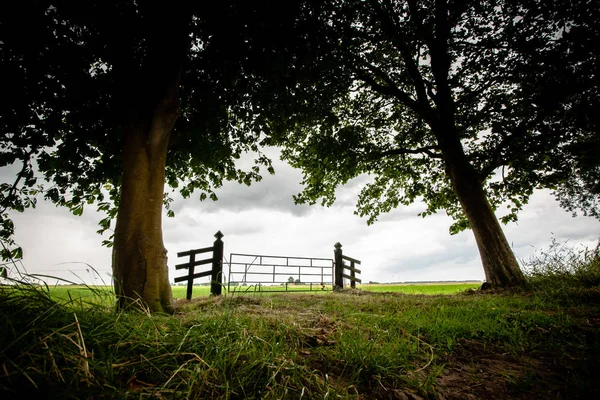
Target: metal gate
[[279, 273]]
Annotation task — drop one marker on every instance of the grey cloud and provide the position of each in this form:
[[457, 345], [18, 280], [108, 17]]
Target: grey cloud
[[543, 221], [404, 212], [9, 172], [457, 254], [273, 192]]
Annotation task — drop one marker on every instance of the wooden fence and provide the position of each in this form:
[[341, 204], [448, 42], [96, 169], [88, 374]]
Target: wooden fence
[[339, 258], [216, 271]]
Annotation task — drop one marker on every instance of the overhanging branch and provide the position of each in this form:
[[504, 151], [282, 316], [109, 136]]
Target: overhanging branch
[[388, 89], [390, 27], [427, 150], [15, 186], [496, 159]]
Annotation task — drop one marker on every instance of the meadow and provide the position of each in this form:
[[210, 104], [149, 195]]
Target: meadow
[[537, 341], [94, 294]]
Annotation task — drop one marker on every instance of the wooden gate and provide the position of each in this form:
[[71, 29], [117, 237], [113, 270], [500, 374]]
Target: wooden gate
[[269, 273]]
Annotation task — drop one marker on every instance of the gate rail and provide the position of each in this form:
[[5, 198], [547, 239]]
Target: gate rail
[[254, 268]]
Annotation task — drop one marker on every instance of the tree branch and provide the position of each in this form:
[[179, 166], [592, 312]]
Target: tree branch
[[388, 89], [440, 59], [14, 188], [390, 27], [496, 160], [427, 150]]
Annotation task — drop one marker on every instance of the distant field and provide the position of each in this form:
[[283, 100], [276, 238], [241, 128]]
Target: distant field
[[179, 292], [421, 288], [104, 294], [408, 288], [81, 294]]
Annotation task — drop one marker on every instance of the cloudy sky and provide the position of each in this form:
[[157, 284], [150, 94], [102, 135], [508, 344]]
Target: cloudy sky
[[262, 219]]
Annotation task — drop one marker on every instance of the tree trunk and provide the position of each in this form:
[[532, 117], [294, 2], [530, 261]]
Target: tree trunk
[[139, 258], [149, 99], [499, 262]]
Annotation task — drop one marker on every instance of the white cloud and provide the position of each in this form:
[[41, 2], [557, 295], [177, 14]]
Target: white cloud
[[56, 243], [262, 219]]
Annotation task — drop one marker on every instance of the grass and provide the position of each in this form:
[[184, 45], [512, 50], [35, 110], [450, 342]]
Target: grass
[[528, 343], [104, 294], [564, 270], [428, 288]]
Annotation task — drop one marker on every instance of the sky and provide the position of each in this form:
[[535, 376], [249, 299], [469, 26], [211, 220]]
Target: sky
[[262, 219]]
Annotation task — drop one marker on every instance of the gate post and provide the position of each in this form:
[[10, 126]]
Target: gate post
[[353, 275], [339, 267], [217, 266], [190, 285]]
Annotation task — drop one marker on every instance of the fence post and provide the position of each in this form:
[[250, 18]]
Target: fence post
[[353, 275], [339, 267], [190, 285], [217, 266]]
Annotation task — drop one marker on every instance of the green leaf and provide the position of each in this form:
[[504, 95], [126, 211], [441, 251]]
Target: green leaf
[[78, 210]]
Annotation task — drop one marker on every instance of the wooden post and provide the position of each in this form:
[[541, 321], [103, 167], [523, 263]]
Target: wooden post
[[339, 267], [353, 275], [217, 266], [191, 277]]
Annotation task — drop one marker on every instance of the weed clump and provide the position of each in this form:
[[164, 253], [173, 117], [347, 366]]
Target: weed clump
[[564, 270]]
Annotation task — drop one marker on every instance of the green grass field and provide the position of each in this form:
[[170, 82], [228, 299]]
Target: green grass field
[[537, 342], [426, 288], [104, 294]]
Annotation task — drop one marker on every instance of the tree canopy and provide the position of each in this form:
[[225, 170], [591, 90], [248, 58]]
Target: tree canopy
[[522, 79], [458, 104], [464, 105], [63, 70], [110, 100]]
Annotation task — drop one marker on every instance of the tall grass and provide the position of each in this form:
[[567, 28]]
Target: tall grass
[[564, 270], [352, 344]]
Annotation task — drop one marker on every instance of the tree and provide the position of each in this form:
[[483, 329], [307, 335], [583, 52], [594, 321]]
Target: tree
[[465, 105], [570, 86], [580, 189], [113, 99]]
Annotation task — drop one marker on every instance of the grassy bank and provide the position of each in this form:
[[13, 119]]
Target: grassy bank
[[355, 344], [538, 341]]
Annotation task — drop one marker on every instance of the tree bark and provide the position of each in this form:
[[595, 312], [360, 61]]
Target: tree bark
[[139, 258], [499, 262], [149, 100]]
